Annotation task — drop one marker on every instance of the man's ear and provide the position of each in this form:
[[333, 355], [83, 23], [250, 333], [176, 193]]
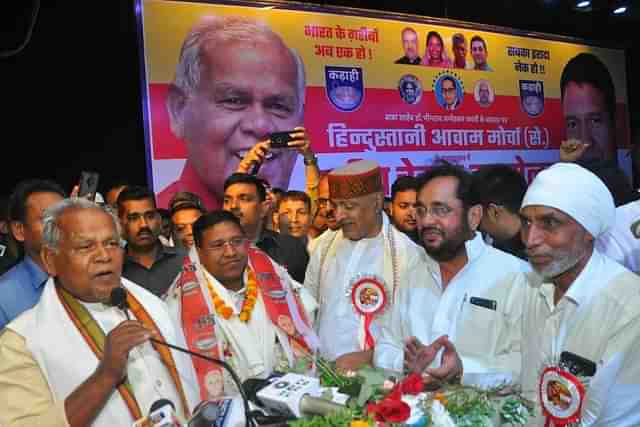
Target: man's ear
[[176, 102], [265, 206], [492, 212], [17, 229], [48, 260], [474, 216], [379, 202]]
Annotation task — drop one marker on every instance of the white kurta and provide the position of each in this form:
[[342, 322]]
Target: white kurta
[[336, 262], [67, 361], [619, 243], [599, 318], [487, 340]]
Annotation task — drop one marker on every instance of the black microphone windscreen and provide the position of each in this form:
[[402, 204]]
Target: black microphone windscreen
[[118, 298], [160, 403]]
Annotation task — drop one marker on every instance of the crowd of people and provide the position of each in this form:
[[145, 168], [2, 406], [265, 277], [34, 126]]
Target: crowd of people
[[464, 274]]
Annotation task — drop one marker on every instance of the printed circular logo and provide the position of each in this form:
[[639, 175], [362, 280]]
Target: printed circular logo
[[532, 97], [483, 93], [410, 89], [448, 90], [368, 296], [344, 87], [561, 395]]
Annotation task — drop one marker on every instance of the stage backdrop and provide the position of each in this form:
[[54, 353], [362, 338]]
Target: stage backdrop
[[360, 104]]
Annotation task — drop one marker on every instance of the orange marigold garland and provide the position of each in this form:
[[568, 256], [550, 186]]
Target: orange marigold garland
[[250, 298]]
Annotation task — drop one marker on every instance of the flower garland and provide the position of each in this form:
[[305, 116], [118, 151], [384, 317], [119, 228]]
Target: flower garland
[[249, 303]]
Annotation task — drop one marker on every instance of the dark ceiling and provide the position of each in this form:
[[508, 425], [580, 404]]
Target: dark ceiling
[[72, 96]]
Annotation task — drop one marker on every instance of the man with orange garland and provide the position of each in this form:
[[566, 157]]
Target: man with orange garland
[[236, 304]]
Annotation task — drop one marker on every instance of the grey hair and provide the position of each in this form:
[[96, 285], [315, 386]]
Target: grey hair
[[217, 30], [51, 228]]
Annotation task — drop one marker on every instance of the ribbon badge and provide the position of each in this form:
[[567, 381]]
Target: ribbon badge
[[561, 396], [369, 298]]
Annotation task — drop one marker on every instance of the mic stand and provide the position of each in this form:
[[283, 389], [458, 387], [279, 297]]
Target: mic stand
[[222, 363]]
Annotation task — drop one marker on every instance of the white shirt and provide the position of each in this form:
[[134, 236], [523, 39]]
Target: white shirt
[[488, 340], [619, 243], [597, 318], [336, 263]]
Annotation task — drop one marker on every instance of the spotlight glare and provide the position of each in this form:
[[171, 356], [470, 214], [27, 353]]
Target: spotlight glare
[[620, 10], [582, 4]]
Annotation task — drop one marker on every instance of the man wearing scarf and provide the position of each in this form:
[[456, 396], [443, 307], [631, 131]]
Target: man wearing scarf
[[74, 360], [354, 273], [236, 304]]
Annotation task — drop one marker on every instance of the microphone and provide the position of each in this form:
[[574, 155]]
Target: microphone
[[296, 395], [209, 413], [118, 299], [161, 414]]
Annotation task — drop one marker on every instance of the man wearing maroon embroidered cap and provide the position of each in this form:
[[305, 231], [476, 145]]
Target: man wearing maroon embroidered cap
[[354, 274]]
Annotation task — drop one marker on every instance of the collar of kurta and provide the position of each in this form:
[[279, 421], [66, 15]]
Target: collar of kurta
[[584, 286]]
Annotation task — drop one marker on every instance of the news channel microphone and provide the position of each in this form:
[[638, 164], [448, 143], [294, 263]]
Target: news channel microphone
[[213, 413], [161, 414], [296, 395], [118, 298]]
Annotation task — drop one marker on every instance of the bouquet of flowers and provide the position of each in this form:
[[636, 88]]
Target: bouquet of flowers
[[379, 400]]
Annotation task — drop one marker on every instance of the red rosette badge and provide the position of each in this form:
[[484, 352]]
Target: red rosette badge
[[369, 298], [561, 396]]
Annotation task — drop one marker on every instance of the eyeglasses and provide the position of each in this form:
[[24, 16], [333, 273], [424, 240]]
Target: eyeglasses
[[439, 211], [218, 245]]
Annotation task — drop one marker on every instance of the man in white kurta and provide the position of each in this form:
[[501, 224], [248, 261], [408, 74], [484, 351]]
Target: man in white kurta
[[584, 302], [480, 307], [366, 247], [254, 346], [49, 374], [621, 242]]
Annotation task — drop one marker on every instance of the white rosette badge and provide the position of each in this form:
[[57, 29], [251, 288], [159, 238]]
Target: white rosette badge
[[369, 298]]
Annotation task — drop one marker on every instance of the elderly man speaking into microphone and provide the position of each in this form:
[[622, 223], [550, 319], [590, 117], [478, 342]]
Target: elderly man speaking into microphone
[[75, 360]]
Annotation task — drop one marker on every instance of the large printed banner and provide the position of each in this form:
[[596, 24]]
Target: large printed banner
[[406, 94]]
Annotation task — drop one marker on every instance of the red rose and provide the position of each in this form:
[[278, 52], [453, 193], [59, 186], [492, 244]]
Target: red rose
[[390, 410], [412, 384], [394, 411]]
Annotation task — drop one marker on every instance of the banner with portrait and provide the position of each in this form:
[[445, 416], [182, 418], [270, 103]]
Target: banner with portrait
[[403, 90]]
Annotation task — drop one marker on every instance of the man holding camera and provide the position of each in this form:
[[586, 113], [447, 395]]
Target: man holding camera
[[221, 110]]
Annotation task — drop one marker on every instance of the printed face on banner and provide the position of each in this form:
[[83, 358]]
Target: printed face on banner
[[249, 87], [588, 119], [479, 53], [232, 109], [410, 89], [448, 92], [345, 87], [483, 93], [410, 43]]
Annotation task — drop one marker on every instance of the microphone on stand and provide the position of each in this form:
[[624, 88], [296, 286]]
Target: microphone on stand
[[161, 414], [119, 299]]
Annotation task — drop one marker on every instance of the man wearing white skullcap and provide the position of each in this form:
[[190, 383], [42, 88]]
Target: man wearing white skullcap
[[355, 272], [582, 309], [582, 302]]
